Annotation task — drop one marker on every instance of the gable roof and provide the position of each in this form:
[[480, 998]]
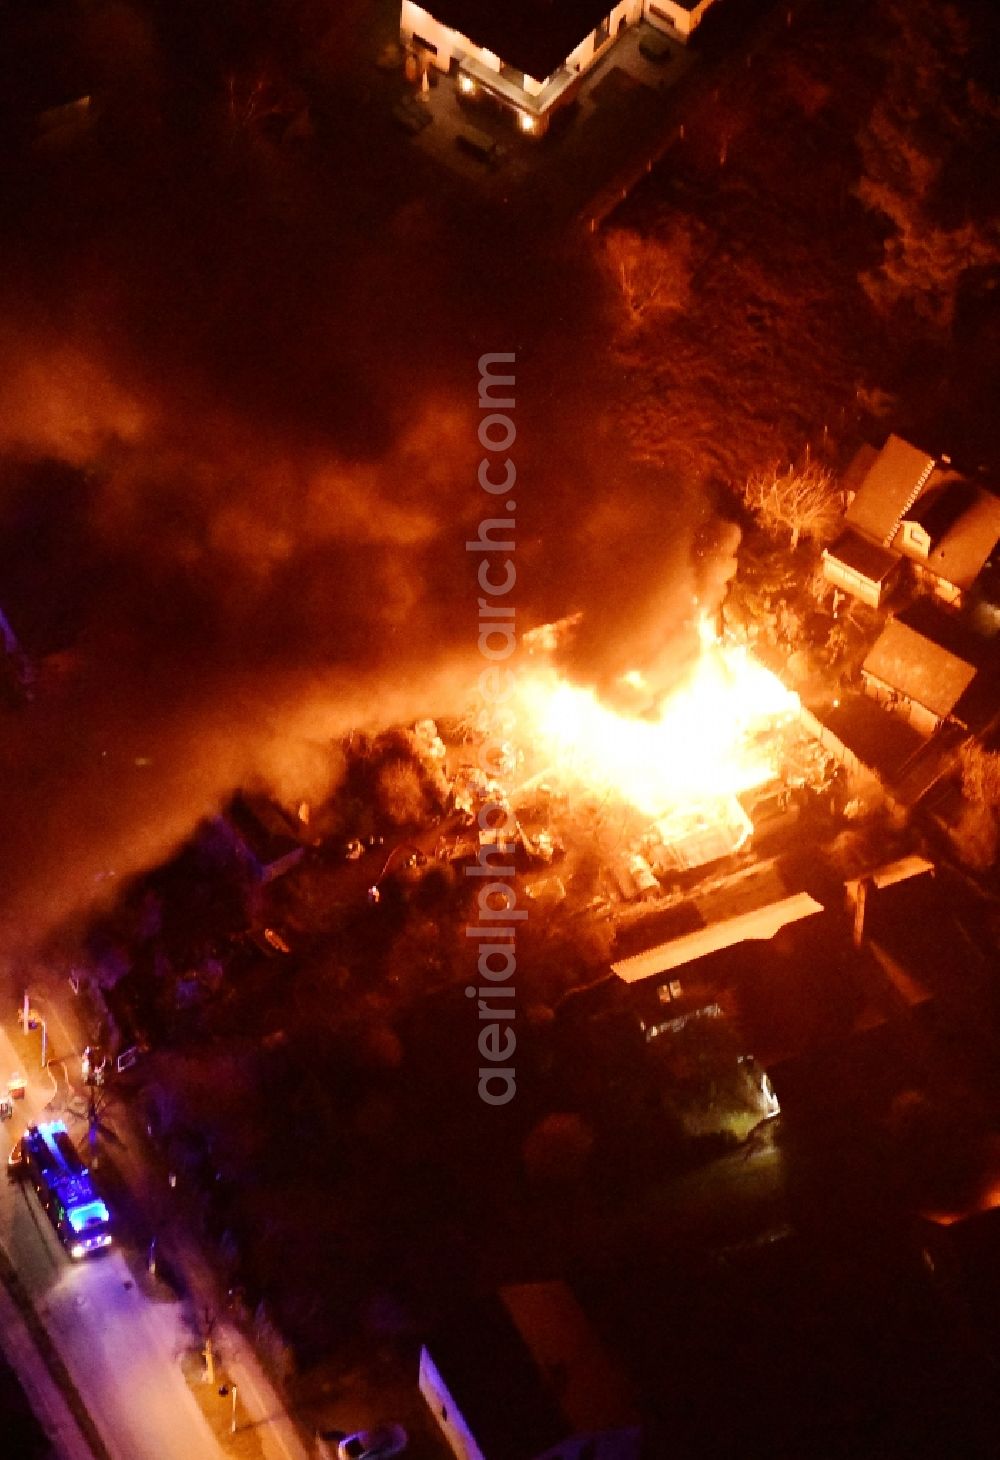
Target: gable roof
[[919, 668], [891, 486], [940, 504], [527, 1371], [534, 36], [970, 540], [902, 484]]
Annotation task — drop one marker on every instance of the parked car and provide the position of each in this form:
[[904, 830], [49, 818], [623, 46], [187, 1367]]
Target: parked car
[[377, 1443], [15, 1161], [411, 114]]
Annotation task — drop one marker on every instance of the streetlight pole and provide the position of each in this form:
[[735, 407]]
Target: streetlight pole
[[225, 1389], [31, 1019]]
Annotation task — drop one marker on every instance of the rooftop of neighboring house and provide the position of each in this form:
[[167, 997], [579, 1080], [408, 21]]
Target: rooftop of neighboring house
[[941, 503], [901, 484], [924, 656], [891, 485], [963, 523], [534, 36], [882, 741], [752, 906], [677, 992], [863, 556], [526, 1370]]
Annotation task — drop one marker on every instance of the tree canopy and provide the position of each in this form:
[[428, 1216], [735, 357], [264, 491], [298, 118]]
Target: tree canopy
[[926, 147], [800, 500]]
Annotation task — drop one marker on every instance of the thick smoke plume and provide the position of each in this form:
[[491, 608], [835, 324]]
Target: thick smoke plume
[[238, 413]]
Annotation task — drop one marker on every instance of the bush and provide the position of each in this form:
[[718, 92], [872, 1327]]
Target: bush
[[399, 791]]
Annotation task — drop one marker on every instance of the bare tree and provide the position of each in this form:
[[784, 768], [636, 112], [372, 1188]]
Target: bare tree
[[981, 776], [400, 793], [251, 97], [976, 834], [801, 500], [652, 274]]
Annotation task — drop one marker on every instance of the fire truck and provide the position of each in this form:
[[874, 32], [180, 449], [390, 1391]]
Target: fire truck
[[47, 1156]]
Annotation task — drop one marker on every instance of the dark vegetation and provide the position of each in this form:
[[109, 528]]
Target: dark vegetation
[[20, 1428], [832, 216], [815, 266]]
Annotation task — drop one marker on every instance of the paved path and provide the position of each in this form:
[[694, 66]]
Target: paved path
[[118, 1345], [40, 1389], [160, 1325]]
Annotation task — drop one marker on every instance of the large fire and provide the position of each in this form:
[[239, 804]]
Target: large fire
[[709, 740]]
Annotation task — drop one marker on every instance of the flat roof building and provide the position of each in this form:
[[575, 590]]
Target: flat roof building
[[529, 56], [521, 1375]]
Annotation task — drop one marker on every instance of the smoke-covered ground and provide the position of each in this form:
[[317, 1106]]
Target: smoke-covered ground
[[238, 413]]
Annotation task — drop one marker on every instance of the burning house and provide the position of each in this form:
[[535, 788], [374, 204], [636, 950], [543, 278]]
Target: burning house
[[702, 744], [695, 837], [676, 772]]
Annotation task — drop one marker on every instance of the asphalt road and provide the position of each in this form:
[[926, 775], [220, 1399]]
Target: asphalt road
[[119, 1345]]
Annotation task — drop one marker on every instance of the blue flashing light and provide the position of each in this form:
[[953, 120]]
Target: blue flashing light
[[90, 1215], [52, 1128], [48, 1133]]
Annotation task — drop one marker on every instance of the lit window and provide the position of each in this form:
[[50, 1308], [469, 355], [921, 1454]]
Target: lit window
[[466, 85], [526, 122]]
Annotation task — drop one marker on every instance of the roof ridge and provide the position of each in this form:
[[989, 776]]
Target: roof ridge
[[929, 464]]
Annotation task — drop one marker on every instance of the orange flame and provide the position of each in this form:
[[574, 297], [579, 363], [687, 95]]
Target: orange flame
[[708, 742]]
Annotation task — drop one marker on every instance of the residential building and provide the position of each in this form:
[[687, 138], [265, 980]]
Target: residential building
[[861, 567], [529, 57], [950, 535], [522, 1375], [890, 487], [751, 906], [861, 560], [922, 668], [908, 509]]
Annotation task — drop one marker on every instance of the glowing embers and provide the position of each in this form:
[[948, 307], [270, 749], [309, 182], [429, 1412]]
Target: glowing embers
[[709, 740]]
